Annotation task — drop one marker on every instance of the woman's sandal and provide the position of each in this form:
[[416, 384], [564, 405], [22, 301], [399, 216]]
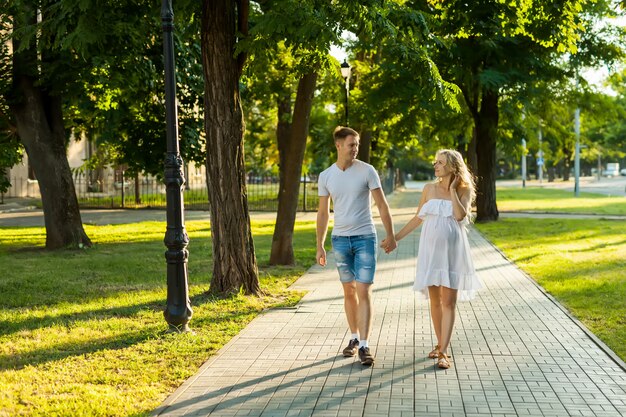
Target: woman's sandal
[[443, 361], [434, 354]]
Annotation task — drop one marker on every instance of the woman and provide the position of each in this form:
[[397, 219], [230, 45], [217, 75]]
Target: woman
[[445, 270]]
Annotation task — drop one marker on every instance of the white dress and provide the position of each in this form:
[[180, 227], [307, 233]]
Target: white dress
[[443, 257]]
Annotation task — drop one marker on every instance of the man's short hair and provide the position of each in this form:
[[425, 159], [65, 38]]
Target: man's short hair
[[342, 132]]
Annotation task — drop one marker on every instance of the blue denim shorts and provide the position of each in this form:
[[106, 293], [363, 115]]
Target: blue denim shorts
[[356, 257]]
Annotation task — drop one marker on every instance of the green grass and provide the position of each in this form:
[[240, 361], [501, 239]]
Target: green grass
[[558, 201], [82, 332], [582, 263]]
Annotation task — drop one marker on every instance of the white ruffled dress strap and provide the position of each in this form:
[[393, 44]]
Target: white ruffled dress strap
[[436, 207]]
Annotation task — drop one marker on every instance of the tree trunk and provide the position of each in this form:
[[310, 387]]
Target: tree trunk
[[234, 260], [486, 131], [462, 146], [283, 127], [39, 119], [472, 160], [567, 164], [365, 145], [471, 95], [138, 190], [291, 153]]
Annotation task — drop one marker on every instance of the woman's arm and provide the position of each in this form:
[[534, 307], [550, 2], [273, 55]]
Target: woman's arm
[[408, 228], [415, 221]]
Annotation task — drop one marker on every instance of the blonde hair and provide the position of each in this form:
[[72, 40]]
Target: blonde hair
[[455, 160]]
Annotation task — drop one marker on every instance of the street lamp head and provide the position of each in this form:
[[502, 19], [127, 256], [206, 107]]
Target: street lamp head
[[345, 70]]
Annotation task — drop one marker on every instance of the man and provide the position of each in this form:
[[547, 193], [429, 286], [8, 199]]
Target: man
[[350, 183]]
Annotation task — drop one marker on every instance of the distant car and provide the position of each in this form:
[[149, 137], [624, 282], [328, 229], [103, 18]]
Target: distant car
[[118, 185], [623, 172], [612, 170]]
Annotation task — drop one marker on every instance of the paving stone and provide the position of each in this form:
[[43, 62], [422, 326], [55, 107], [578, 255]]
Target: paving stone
[[288, 363]]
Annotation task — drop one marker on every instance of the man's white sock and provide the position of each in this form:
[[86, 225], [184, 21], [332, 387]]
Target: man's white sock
[[363, 344], [354, 336]]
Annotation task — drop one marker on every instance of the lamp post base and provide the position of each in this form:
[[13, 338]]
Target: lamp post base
[[182, 328]]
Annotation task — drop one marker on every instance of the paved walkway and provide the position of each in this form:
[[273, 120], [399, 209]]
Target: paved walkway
[[516, 353]]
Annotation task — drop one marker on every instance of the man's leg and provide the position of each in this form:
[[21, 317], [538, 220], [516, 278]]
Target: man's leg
[[365, 268], [366, 309], [366, 313], [344, 257], [351, 305]]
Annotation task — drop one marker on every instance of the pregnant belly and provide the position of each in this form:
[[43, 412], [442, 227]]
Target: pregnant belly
[[443, 232]]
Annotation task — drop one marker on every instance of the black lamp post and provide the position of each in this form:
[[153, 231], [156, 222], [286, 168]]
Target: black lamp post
[[178, 310], [345, 73]]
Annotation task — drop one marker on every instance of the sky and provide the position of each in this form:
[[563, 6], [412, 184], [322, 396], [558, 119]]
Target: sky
[[338, 53]]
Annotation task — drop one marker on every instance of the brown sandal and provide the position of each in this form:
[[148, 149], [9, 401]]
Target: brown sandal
[[443, 361], [434, 354]]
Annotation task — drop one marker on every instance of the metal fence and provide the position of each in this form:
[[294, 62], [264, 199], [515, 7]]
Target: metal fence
[[149, 192]]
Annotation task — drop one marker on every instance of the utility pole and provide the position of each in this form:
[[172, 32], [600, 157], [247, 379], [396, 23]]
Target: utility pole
[[577, 153], [540, 157], [523, 163], [523, 154]]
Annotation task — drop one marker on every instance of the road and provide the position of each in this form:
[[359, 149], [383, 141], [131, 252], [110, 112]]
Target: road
[[615, 186]]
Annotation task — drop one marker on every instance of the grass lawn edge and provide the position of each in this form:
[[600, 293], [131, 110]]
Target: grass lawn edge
[[606, 349]]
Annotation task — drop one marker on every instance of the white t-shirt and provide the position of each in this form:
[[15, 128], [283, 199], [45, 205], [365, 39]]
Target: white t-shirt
[[350, 193]]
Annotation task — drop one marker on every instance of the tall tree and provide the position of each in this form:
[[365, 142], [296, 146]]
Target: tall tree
[[291, 147], [36, 102], [490, 47], [301, 32], [11, 149], [603, 115], [308, 29], [234, 260], [120, 107], [83, 68], [274, 81], [396, 86]]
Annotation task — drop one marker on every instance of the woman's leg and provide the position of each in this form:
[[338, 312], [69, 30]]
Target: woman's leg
[[448, 310], [434, 293]]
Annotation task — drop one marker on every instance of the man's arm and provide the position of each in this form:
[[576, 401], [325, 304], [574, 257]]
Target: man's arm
[[323, 213], [389, 243]]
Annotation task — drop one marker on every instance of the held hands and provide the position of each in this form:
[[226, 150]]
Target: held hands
[[389, 244], [321, 256]]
